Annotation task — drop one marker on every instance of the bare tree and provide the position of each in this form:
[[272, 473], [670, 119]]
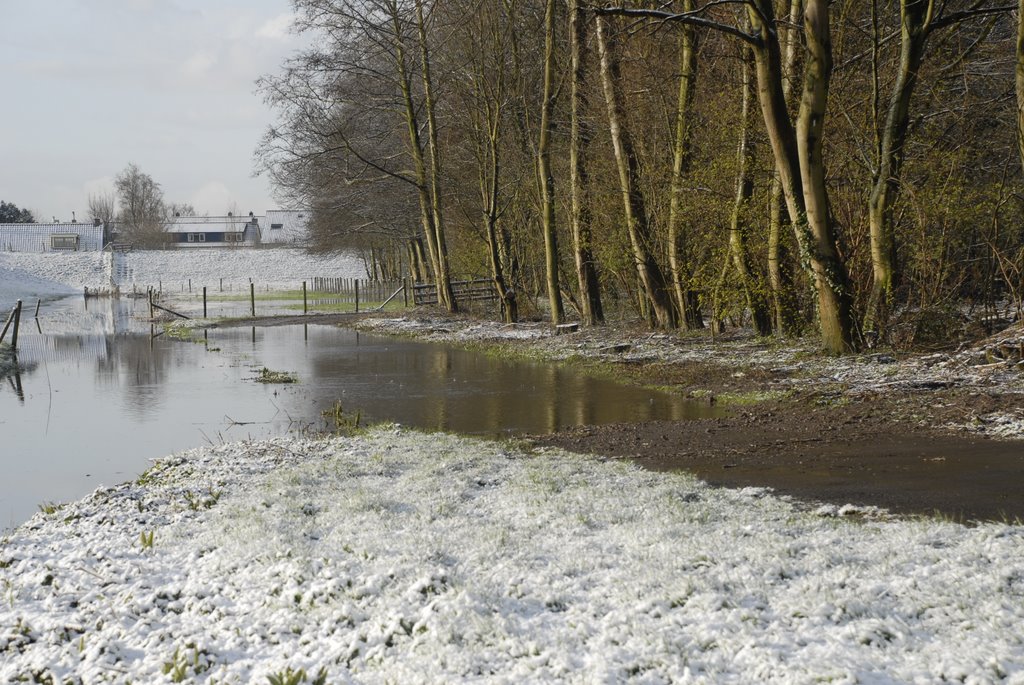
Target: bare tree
[[545, 176], [682, 156], [796, 147], [652, 279], [142, 211], [181, 209], [591, 307], [750, 282], [103, 207], [345, 104], [480, 107], [417, 126], [919, 19], [1019, 80], [780, 276], [444, 286]]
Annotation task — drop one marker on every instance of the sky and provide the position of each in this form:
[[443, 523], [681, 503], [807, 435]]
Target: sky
[[169, 85]]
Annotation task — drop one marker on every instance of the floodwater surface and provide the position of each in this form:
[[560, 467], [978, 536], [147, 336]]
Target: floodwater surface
[[100, 396]]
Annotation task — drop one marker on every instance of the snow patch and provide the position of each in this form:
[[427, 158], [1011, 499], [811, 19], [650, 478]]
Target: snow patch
[[999, 425], [402, 557], [24, 275]]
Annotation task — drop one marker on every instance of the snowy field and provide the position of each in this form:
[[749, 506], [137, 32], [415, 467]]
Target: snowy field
[[409, 558], [29, 275]]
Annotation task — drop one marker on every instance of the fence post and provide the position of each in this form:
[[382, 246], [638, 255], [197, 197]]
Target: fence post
[[150, 293], [38, 304], [17, 322], [305, 302], [252, 298], [357, 295], [405, 291], [10, 320], [204, 301]]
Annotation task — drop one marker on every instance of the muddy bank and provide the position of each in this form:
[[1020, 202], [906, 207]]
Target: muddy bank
[[856, 453]]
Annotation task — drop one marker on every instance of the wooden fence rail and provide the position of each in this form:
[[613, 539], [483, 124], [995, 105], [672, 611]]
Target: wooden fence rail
[[476, 289], [369, 291]]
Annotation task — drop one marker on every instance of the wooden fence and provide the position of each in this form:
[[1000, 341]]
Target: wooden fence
[[476, 289], [316, 293], [369, 291]]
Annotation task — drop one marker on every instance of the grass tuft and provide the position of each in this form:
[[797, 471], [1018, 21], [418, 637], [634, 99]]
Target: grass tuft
[[268, 376]]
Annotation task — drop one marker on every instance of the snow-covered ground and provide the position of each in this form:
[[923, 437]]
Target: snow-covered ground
[[402, 557], [44, 275]]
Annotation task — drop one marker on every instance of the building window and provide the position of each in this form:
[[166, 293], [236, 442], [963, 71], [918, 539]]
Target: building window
[[197, 237], [277, 225], [202, 237], [64, 242]]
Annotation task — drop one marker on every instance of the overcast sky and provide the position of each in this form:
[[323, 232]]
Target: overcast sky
[[91, 85]]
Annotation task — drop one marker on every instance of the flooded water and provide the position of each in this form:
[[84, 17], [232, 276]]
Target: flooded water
[[100, 396]]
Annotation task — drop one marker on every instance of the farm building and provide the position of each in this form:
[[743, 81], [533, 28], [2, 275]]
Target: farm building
[[214, 231], [57, 237], [286, 226], [278, 227]]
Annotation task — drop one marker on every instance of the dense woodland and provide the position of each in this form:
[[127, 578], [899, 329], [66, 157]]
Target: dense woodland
[[850, 169]]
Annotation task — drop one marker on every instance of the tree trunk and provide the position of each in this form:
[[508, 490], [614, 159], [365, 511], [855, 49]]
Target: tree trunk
[[689, 315], [489, 87], [422, 262], [579, 146], [507, 296], [443, 276], [1020, 79], [652, 280], [835, 302], [416, 151], [750, 283], [717, 310], [798, 161], [780, 277], [545, 176], [915, 16]]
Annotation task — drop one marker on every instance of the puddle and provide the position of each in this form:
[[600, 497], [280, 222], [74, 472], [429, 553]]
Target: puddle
[[100, 396]]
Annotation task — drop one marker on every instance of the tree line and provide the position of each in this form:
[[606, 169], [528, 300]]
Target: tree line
[[136, 208], [11, 213], [851, 167]]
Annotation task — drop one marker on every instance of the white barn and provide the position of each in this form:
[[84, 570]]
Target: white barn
[[286, 227], [57, 237]]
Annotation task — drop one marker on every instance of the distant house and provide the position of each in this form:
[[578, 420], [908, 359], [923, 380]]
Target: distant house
[[286, 227], [278, 227], [55, 237], [214, 231]]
